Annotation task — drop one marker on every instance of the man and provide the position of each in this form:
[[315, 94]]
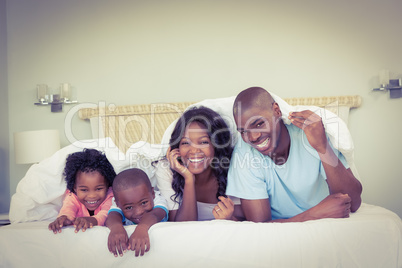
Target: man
[[287, 173]]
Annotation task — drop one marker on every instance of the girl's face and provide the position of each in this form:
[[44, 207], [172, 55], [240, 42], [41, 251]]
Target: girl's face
[[196, 149], [90, 188]]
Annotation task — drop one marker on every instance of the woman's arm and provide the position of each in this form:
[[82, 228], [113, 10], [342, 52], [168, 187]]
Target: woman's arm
[[188, 208]]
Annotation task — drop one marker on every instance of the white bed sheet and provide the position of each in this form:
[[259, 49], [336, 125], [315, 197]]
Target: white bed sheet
[[371, 237]]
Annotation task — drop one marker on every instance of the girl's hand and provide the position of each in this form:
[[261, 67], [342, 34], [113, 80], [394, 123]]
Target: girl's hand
[[58, 223], [224, 209], [139, 240], [172, 156], [84, 223]]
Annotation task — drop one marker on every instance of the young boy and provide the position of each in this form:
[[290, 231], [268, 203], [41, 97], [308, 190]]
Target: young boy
[[137, 203]]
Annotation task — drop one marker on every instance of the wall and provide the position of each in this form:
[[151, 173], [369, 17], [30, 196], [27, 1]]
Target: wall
[[128, 52], [4, 130]]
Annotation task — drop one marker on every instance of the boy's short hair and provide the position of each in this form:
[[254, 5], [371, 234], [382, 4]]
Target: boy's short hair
[[130, 178]]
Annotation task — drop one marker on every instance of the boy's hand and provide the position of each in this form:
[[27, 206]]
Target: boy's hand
[[84, 223], [139, 240], [117, 239], [224, 209], [58, 223]]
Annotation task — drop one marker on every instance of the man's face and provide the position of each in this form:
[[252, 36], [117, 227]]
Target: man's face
[[259, 127]]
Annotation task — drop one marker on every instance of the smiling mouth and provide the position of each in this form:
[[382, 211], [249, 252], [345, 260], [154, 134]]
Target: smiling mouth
[[136, 220], [198, 160], [92, 202], [262, 144]]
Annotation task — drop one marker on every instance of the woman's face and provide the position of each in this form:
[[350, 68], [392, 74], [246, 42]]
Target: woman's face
[[196, 149]]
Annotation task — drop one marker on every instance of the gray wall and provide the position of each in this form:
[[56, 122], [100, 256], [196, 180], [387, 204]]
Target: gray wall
[[131, 52], [4, 130]]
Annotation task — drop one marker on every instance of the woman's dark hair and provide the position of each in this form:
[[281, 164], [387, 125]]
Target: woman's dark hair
[[220, 136], [88, 160]]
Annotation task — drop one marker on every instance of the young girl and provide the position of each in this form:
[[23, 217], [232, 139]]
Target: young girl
[[199, 157], [89, 177]]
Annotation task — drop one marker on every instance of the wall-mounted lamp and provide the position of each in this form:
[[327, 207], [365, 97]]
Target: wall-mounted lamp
[[393, 85], [45, 97], [34, 146]]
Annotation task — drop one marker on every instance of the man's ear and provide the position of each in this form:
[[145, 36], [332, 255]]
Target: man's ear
[[277, 110]]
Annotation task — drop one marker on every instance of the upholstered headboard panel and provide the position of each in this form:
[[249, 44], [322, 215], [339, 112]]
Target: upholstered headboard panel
[[126, 125]]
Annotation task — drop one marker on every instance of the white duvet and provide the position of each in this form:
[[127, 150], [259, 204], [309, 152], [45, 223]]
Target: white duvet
[[371, 237]]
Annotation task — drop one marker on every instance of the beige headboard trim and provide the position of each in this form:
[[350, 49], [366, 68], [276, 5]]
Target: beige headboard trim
[[138, 109], [349, 101], [128, 124], [162, 108]]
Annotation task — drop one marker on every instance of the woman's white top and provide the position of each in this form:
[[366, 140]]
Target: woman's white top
[[164, 178]]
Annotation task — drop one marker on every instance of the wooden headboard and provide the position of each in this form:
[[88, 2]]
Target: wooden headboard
[[128, 124]]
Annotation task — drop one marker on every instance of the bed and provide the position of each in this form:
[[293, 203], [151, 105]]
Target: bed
[[135, 136]]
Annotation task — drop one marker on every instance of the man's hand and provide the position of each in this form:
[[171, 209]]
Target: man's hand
[[139, 240], [58, 223], [117, 240], [224, 209], [313, 127], [333, 206]]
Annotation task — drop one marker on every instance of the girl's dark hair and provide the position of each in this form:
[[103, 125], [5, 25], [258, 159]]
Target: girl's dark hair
[[220, 136], [88, 160]]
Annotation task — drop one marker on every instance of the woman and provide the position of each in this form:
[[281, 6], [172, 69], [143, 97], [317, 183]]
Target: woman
[[194, 177]]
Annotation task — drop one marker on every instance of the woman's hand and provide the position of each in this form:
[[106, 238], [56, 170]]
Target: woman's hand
[[173, 156], [224, 209]]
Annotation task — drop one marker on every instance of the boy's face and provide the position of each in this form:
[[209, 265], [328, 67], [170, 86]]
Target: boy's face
[[90, 188], [135, 202], [260, 128]]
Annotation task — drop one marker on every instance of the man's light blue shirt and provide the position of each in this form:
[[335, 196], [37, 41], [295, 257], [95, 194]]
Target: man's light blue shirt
[[292, 188]]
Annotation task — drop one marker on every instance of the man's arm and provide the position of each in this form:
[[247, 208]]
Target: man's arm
[[333, 206], [339, 179], [256, 210]]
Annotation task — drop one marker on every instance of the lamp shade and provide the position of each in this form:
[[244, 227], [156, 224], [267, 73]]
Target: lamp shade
[[34, 146]]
